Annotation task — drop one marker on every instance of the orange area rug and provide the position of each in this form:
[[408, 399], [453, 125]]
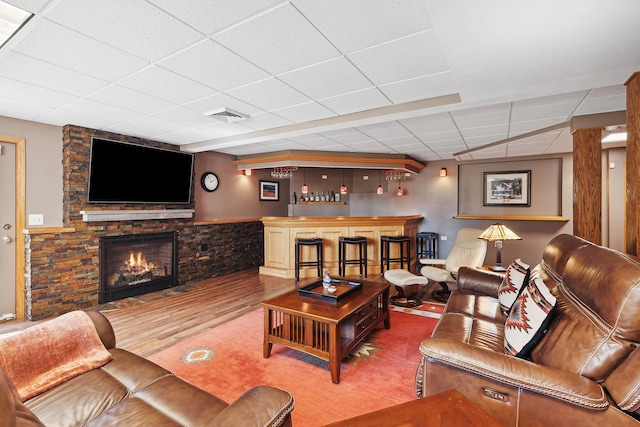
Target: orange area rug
[[227, 360]]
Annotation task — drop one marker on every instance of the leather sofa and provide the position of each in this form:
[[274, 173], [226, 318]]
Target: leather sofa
[[129, 390], [584, 370]]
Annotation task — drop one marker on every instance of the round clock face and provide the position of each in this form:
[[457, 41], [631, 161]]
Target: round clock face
[[209, 181]]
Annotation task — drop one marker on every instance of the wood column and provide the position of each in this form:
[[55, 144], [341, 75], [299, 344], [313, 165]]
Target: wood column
[[632, 242], [587, 184]]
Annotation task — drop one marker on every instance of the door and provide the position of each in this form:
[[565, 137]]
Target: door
[[7, 231]]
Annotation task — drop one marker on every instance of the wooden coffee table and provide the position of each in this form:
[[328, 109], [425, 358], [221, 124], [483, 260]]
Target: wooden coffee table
[[324, 328]]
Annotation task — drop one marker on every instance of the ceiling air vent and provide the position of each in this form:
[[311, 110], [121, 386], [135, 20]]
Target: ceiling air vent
[[226, 115]]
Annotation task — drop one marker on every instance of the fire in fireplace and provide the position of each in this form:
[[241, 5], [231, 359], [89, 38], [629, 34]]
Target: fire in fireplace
[[136, 264]]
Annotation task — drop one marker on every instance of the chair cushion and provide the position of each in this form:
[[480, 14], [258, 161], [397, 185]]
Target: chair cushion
[[517, 274], [404, 278], [528, 319]]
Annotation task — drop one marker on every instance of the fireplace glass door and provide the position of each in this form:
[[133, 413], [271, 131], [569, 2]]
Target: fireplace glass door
[[135, 264]]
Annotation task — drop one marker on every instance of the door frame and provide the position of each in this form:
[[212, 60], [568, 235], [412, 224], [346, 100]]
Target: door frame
[[20, 205]]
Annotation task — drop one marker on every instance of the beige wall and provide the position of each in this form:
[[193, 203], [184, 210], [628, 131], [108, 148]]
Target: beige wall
[[43, 164], [427, 194]]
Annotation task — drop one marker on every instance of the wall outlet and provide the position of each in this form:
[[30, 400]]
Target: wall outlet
[[36, 219], [443, 237]]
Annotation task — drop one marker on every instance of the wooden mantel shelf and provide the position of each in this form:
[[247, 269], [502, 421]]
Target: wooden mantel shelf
[[515, 217]]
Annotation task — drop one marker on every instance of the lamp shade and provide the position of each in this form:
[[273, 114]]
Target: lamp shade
[[498, 232]]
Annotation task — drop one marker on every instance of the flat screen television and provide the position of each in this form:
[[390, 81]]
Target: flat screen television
[[120, 172]]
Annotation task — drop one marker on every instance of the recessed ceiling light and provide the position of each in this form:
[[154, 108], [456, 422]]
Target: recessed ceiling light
[[11, 20]]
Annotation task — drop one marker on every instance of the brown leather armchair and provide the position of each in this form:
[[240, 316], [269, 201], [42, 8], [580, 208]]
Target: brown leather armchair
[[586, 368]]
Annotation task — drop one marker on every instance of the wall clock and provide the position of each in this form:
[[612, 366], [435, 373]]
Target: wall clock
[[209, 181]]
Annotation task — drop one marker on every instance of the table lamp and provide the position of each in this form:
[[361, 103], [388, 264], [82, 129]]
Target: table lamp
[[497, 233]]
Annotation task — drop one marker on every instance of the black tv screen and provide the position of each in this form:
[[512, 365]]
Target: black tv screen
[[127, 173]]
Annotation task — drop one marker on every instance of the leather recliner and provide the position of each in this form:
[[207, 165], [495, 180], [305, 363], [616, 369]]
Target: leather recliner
[[586, 368]]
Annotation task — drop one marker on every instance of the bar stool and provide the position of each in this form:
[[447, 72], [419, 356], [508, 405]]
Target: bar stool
[[317, 242], [385, 251], [426, 246], [342, 254]]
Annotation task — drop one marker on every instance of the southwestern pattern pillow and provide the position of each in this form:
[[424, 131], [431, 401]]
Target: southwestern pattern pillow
[[517, 275], [527, 322]]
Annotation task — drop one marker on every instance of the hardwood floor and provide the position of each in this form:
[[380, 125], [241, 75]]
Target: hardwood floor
[[150, 323]]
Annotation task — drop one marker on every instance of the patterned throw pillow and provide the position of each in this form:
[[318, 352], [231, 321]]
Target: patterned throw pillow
[[517, 275], [527, 322]]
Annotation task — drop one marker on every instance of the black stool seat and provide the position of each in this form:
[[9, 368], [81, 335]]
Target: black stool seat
[[300, 242], [426, 246], [385, 251], [342, 254]]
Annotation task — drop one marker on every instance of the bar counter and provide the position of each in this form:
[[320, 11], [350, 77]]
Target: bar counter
[[280, 234]]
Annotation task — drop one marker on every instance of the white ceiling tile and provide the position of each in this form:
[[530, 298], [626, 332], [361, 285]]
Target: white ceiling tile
[[604, 92], [304, 112], [222, 129], [212, 15], [523, 127], [603, 105], [32, 6], [269, 94], [357, 24], [435, 137], [430, 123], [164, 84], [278, 41], [562, 98], [419, 88], [186, 137], [561, 112], [326, 79], [186, 116], [61, 46], [136, 101], [361, 100], [470, 122], [222, 100], [23, 109], [262, 121], [30, 93], [108, 114], [350, 138], [135, 26], [87, 118], [407, 58], [39, 73], [304, 138], [213, 65], [155, 125]]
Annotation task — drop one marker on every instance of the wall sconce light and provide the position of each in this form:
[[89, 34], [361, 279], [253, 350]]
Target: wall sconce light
[[379, 190], [247, 172], [443, 172], [399, 191]]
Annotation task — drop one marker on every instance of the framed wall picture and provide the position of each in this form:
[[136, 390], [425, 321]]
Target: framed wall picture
[[509, 188], [270, 191]]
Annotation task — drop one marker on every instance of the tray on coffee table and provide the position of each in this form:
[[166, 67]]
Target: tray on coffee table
[[318, 291]]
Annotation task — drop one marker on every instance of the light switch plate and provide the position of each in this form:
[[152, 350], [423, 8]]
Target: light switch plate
[[36, 219]]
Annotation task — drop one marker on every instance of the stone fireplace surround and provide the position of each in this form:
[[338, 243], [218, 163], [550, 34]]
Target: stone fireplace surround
[[61, 264]]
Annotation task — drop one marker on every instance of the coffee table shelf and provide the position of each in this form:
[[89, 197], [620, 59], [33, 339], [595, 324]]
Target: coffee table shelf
[[325, 329]]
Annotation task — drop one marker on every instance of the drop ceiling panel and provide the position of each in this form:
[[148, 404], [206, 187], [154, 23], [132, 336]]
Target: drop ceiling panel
[[420, 88], [150, 124], [269, 94], [358, 24], [361, 100], [58, 45], [24, 110], [186, 136], [134, 26], [29, 93], [222, 100], [211, 16], [561, 112], [305, 112], [326, 79], [32, 6], [185, 116], [280, 40], [262, 121], [39, 73], [407, 58], [156, 81], [136, 101], [213, 65]]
